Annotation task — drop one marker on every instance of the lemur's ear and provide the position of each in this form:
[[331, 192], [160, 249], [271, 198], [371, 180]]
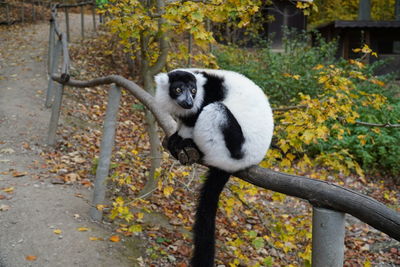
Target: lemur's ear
[[161, 79]]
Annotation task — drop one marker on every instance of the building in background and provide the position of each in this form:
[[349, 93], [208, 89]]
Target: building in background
[[286, 16], [381, 36]]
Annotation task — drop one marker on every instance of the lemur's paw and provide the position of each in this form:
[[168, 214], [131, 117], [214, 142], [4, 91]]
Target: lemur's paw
[[189, 155]]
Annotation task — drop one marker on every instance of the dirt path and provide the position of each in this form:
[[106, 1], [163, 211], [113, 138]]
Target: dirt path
[[31, 207]]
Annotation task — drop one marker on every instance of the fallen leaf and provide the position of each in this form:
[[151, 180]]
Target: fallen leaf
[[7, 151], [19, 174], [57, 181], [30, 258], [79, 160], [2, 197], [83, 229], [8, 189], [86, 183], [72, 177], [57, 231], [4, 207], [26, 146], [92, 238], [115, 238], [100, 207], [168, 191]]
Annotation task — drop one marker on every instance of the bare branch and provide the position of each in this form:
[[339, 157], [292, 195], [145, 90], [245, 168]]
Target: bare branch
[[386, 125], [289, 108]]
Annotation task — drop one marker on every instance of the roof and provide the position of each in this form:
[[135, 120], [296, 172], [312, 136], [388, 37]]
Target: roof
[[360, 24]]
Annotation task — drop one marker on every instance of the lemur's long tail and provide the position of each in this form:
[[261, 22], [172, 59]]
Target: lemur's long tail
[[204, 227]]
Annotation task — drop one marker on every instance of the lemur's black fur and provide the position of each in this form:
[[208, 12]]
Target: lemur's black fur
[[227, 118], [204, 228]]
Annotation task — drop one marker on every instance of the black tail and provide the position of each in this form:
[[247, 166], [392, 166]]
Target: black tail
[[204, 227]]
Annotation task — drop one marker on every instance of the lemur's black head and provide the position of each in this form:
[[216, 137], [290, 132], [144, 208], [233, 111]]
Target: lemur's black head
[[182, 88]]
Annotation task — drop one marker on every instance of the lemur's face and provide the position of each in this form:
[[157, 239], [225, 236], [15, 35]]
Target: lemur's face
[[182, 88]]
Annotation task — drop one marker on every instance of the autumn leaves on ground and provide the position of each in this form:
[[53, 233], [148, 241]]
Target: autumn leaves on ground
[[45, 192]]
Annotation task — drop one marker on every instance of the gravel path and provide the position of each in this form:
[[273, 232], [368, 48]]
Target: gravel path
[[31, 207]]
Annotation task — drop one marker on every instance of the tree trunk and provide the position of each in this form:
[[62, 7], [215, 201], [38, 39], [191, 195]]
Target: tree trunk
[[154, 139]]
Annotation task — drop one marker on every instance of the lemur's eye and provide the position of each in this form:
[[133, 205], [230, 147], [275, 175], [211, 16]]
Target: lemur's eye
[[178, 90], [193, 90]]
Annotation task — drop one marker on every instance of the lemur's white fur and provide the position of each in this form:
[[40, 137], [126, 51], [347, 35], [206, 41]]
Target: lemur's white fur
[[247, 103]]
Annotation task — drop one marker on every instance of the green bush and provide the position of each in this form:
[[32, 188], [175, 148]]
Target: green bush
[[381, 151], [284, 75]]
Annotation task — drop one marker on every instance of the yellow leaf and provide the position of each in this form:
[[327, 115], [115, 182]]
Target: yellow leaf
[[100, 207], [168, 191], [378, 82], [356, 50], [92, 238], [83, 229], [140, 215], [57, 231], [115, 238], [318, 67], [136, 228], [30, 258], [8, 189], [366, 49]]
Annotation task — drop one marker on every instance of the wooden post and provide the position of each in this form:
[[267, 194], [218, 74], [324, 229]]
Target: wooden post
[[107, 143], [51, 46], [8, 14], [55, 114], [82, 24], [67, 23], [94, 15], [23, 11], [33, 11], [327, 238], [56, 54]]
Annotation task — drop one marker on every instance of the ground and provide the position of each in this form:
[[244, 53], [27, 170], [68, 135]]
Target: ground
[[33, 206]]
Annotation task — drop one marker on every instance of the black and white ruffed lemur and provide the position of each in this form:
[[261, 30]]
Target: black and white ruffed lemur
[[226, 117]]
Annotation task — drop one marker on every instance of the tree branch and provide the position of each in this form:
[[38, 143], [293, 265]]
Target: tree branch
[[165, 120], [289, 108], [162, 42], [386, 125], [318, 193]]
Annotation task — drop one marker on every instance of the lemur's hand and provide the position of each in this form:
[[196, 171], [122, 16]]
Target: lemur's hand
[[189, 153], [184, 150]]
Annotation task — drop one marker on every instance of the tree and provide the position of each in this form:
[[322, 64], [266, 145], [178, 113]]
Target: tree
[[330, 10], [148, 30]]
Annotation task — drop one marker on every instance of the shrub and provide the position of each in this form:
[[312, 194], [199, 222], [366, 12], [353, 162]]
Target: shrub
[[281, 75], [337, 93]]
